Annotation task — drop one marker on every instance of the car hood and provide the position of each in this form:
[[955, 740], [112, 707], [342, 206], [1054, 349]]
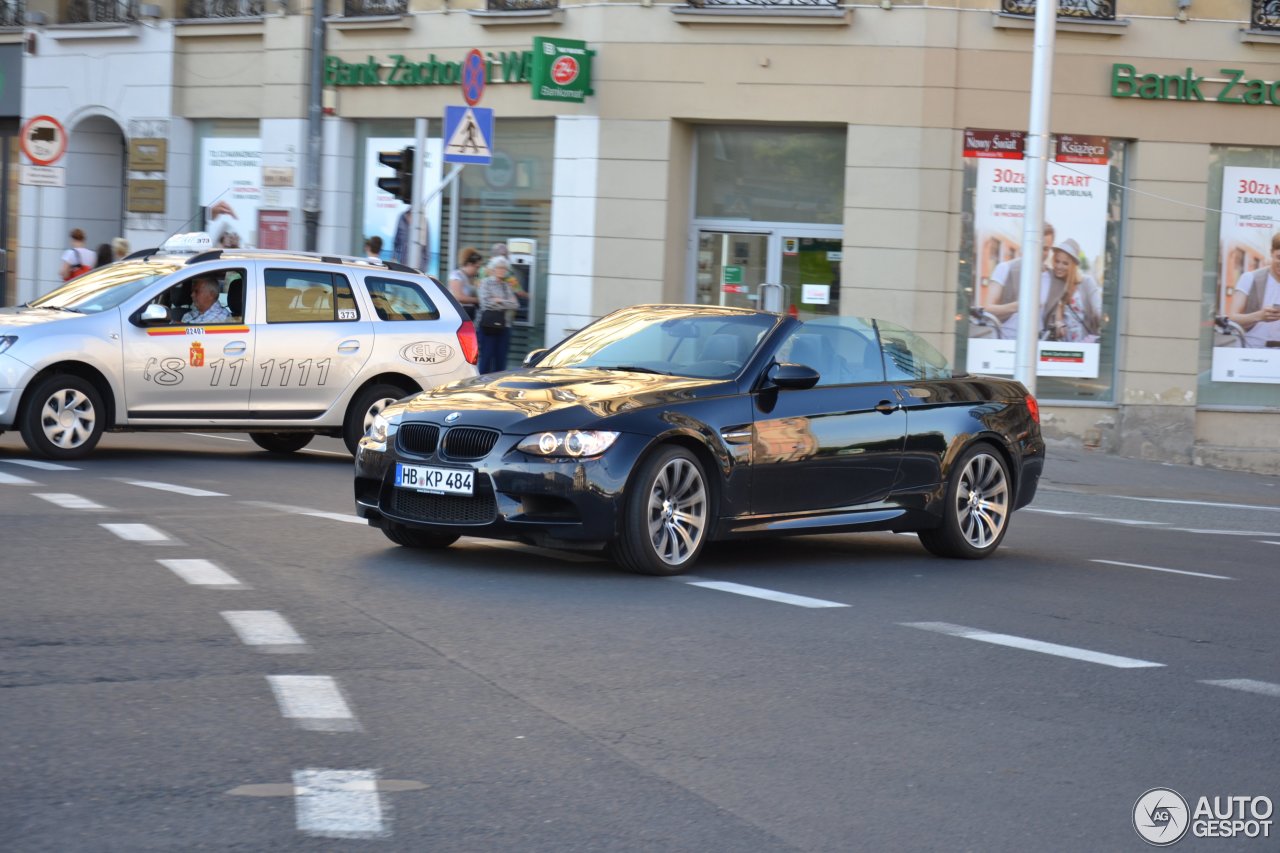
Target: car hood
[[18, 318], [555, 398]]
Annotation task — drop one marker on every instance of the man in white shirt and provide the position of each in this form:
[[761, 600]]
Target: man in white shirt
[[1001, 288], [1255, 302], [207, 309]]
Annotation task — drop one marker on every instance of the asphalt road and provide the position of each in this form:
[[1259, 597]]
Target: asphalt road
[[201, 648]]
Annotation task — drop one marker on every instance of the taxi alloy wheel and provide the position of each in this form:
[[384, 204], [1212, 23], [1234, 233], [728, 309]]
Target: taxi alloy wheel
[[976, 509], [364, 406], [64, 418], [668, 515]]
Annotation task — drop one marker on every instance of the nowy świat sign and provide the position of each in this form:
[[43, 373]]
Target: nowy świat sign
[[1233, 87]]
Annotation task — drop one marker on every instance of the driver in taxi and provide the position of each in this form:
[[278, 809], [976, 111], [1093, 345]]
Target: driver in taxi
[[207, 308]]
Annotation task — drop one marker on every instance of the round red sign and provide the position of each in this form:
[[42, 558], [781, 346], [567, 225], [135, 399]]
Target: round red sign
[[564, 70], [43, 140]]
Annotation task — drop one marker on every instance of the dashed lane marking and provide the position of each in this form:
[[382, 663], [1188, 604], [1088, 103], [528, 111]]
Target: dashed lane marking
[[1248, 685], [202, 573], [1132, 522], [176, 489], [313, 702], [757, 592], [1267, 542], [1031, 645], [302, 510], [14, 480], [68, 501], [339, 804], [325, 452], [43, 466], [1215, 532], [1257, 507], [1052, 511], [1160, 569], [137, 532], [265, 630], [219, 437]]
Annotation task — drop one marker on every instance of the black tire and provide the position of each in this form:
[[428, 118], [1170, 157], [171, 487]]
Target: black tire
[[363, 407], [282, 442], [667, 517], [64, 417], [412, 537], [976, 509]]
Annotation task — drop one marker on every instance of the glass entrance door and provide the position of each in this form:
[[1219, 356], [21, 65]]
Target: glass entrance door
[[730, 267], [810, 274]]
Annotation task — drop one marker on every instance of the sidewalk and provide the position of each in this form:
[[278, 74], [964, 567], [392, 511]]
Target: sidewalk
[[1095, 472]]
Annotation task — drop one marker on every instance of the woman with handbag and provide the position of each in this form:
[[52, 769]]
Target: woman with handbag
[[496, 299]]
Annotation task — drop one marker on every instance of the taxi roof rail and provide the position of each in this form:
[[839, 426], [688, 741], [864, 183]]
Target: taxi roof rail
[[211, 255]]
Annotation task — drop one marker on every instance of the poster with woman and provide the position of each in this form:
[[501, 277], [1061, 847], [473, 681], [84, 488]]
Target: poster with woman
[[1070, 322], [231, 189], [1246, 346]]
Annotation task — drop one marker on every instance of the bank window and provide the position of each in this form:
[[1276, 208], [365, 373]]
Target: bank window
[[305, 296], [397, 299], [771, 174]]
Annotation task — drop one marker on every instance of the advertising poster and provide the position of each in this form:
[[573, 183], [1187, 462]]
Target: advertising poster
[[387, 217], [231, 189], [1071, 321], [1246, 346]]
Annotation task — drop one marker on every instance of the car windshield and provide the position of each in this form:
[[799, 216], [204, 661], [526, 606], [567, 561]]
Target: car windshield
[[103, 288], [701, 343]]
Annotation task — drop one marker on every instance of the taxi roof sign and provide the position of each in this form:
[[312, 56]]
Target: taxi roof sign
[[191, 243]]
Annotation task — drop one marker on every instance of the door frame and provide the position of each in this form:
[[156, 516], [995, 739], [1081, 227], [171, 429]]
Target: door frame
[[775, 231]]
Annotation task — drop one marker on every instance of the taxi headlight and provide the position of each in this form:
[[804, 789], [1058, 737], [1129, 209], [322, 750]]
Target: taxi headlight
[[7, 341], [576, 444]]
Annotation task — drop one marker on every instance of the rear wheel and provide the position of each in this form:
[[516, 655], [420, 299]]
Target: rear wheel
[[667, 515], [64, 418], [976, 510], [282, 442], [364, 406], [412, 537]]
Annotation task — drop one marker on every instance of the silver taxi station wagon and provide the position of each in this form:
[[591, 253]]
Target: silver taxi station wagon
[[288, 346]]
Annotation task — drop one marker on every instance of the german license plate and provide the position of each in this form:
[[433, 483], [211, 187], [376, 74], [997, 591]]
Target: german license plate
[[439, 481]]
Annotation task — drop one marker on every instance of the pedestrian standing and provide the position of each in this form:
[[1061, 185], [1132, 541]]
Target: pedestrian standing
[[77, 260], [120, 248], [497, 302]]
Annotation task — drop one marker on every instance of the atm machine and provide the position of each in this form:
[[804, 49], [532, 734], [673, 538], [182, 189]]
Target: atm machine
[[523, 253]]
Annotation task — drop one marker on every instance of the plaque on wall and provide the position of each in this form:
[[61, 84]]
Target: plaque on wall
[[145, 196], [147, 155]]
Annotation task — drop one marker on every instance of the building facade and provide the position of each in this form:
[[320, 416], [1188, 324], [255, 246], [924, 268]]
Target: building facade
[[865, 157]]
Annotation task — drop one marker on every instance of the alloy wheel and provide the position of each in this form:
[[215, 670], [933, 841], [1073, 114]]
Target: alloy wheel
[[982, 501], [677, 511]]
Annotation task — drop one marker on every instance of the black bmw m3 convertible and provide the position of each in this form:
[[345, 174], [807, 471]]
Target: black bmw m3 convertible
[[661, 427]]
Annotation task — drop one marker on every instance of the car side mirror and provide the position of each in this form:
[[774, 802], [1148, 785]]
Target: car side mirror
[[154, 313], [795, 377], [534, 357]]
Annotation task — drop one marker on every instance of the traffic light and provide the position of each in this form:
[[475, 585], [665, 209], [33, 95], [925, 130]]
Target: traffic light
[[401, 186]]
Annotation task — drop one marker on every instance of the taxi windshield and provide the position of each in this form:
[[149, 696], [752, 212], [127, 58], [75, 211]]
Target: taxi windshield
[[103, 288]]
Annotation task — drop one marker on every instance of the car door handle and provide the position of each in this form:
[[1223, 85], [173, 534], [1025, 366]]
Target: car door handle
[[348, 347], [886, 407], [234, 348]]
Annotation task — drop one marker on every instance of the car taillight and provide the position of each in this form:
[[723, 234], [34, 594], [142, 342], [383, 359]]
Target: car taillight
[[1034, 408], [467, 340]]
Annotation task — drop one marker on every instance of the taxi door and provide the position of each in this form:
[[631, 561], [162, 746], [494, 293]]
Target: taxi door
[[183, 371], [311, 343]]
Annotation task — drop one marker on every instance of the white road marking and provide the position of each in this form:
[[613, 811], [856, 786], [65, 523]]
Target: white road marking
[[1031, 645], [1267, 542], [67, 501], [43, 466], [757, 592], [339, 803], [170, 487], [1130, 521], [302, 510], [137, 532], [1248, 685], [201, 573], [14, 480], [1051, 511], [314, 702], [1198, 503], [1214, 532], [219, 437], [266, 629], [325, 452], [1159, 569]]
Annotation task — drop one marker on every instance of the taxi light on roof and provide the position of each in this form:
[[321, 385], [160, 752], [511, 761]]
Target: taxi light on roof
[[187, 244]]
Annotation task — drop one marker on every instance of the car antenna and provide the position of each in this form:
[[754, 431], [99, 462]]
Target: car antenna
[[143, 254]]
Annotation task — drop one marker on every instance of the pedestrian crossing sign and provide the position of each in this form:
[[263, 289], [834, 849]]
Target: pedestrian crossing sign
[[468, 135]]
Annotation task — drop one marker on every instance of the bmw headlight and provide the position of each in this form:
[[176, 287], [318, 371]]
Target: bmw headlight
[[575, 444], [7, 341], [378, 429]]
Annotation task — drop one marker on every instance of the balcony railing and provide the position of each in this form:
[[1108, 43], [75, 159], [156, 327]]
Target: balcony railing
[[1266, 14], [763, 4], [13, 13], [527, 5], [224, 8], [1092, 10], [370, 8], [101, 12]]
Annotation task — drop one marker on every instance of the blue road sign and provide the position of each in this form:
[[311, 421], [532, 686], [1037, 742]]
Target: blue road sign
[[468, 135]]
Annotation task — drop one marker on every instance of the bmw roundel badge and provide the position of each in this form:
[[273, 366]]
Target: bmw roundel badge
[[452, 416]]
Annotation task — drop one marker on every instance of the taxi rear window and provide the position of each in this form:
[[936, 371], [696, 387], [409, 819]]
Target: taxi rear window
[[308, 296], [400, 299]]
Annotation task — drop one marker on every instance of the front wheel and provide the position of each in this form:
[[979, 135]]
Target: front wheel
[[282, 442], [64, 418], [976, 509], [412, 537], [667, 515], [364, 406]]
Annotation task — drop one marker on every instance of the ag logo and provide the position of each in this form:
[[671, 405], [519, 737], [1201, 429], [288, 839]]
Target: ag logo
[[1161, 816], [564, 70], [426, 352]]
